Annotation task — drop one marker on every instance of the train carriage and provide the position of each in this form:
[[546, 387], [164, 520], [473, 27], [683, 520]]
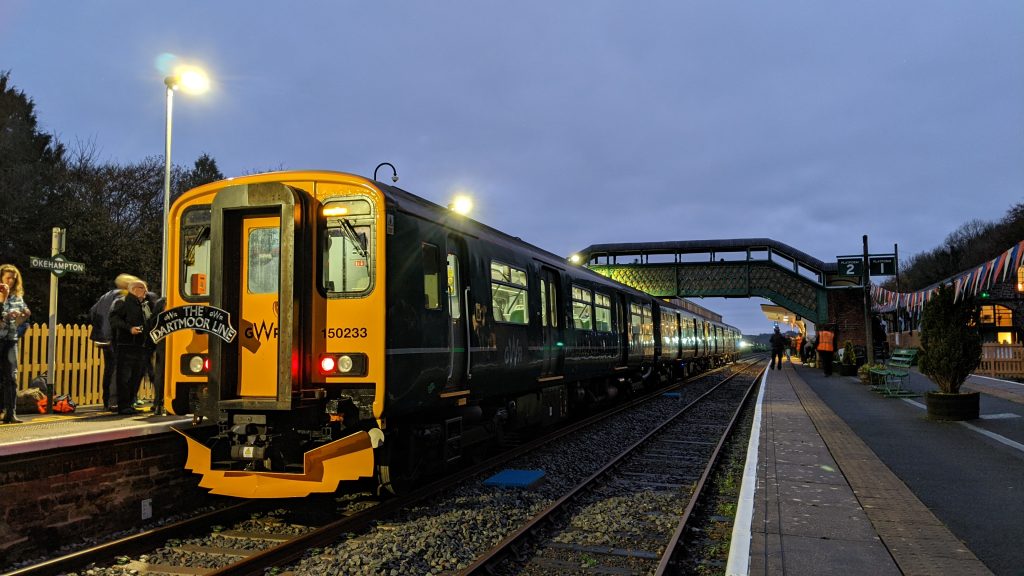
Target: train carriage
[[380, 335]]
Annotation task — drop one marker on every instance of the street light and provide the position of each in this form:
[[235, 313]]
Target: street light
[[191, 80]]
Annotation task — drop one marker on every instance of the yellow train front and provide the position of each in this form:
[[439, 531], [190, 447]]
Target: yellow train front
[[294, 385]]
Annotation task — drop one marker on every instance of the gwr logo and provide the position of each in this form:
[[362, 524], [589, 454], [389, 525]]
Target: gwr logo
[[254, 334]]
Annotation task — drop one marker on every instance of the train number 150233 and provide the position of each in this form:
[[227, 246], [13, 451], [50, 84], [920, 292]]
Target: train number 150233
[[344, 332]]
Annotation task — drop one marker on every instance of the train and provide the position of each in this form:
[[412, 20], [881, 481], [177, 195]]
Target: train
[[325, 328]]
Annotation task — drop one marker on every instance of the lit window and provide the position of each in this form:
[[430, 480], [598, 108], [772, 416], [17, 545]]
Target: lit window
[[508, 294], [602, 312], [582, 309], [1020, 279]]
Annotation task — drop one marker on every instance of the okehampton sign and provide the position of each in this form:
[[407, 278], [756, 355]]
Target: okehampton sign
[[194, 317]]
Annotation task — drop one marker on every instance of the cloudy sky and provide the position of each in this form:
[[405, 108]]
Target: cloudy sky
[[573, 123]]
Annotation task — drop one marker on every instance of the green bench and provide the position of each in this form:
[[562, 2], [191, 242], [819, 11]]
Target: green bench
[[889, 381]]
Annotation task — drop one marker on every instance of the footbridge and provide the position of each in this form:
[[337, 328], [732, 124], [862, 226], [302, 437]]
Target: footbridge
[[738, 268]]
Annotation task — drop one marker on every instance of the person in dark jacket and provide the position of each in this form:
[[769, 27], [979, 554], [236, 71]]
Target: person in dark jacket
[[779, 344], [102, 336], [130, 321]]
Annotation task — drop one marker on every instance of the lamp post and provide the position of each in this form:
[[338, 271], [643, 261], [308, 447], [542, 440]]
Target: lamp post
[[194, 81]]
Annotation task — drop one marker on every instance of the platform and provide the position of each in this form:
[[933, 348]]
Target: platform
[[849, 482], [88, 425]]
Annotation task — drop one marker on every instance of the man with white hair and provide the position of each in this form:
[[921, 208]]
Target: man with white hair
[[99, 316], [130, 322]]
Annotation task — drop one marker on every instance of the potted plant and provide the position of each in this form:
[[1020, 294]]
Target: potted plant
[[849, 363], [950, 351], [864, 372]]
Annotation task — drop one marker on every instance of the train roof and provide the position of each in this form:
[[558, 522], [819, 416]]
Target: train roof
[[421, 207]]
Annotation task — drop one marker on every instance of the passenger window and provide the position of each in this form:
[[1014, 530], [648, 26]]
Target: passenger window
[[582, 309], [454, 290], [602, 312], [508, 294], [431, 283]]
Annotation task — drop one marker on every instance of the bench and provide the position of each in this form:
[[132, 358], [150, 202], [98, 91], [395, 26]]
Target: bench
[[889, 380]]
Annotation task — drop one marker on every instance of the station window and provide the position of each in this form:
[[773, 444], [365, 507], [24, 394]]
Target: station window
[[582, 309], [996, 315], [431, 277], [348, 257], [602, 312], [508, 294], [194, 248], [1020, 279]]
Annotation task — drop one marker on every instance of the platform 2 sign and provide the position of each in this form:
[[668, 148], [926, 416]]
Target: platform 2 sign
[[850, 266], [194, 317]]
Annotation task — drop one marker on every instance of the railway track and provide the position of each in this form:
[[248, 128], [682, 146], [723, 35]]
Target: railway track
[[252, 536], [628, 517]]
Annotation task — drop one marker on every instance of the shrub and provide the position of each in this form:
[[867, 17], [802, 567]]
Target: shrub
[[950, 342], [864, 372]]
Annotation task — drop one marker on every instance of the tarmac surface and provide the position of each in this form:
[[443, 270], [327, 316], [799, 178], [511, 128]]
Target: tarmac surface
[[851, 482]]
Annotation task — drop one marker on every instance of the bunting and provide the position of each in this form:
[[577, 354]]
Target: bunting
[[967, 283]]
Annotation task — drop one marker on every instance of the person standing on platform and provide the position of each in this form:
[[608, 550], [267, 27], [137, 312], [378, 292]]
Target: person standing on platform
[[157, 375], [102, 336], [130, 322], [12, 314], [826, 347], [779, 343]]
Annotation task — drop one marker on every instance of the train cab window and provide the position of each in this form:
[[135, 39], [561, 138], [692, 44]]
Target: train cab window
[[602, 312], [194, 247], [348, 257], [431, 278], [582, 309], [264, 258], [508, 294]]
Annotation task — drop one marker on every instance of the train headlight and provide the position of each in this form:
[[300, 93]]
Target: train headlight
[[345, 364], [195, 364]]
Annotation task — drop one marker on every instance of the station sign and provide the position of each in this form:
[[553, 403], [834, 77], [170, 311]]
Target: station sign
[[197, 317], [882, 265], [850, 265], [57, 264]]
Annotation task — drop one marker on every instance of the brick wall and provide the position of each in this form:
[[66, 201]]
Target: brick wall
[[846, 310], [63, 495]]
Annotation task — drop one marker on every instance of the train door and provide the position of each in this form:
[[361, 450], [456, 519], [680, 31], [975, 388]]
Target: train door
[[253, 269], [624, 328], [258, 304], [551, 321], [458, 316]]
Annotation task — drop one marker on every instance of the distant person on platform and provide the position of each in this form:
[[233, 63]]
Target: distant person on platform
[[826, 347], [13, 314], [102, 336], [130, 322], [807, 352], [779, 344]]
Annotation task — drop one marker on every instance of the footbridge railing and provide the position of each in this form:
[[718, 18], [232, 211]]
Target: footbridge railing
[[737, 268]]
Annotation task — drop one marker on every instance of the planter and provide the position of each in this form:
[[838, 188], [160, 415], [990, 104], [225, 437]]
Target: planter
[[942, 406], [847, 369]]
